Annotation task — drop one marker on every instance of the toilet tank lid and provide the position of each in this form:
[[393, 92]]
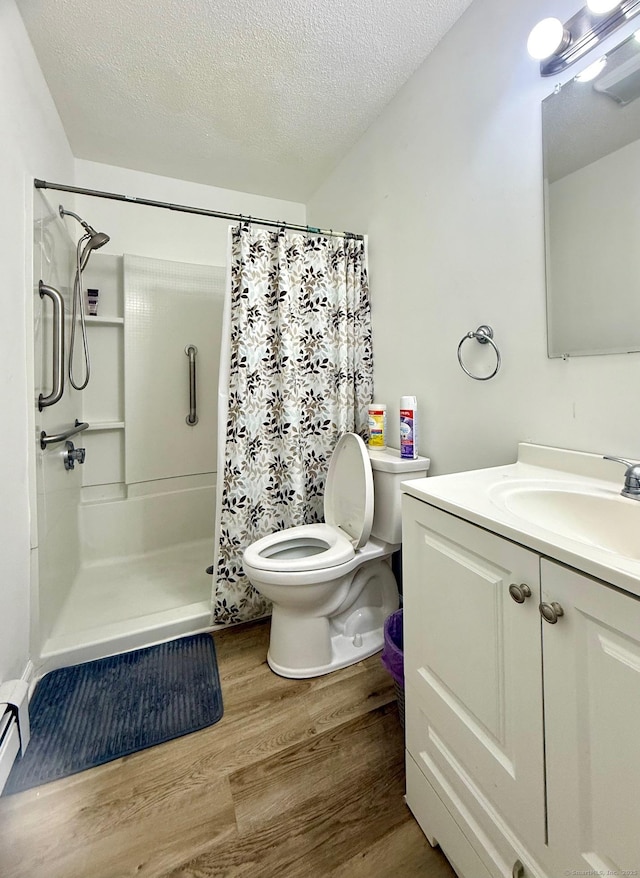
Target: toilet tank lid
[[348, 495], [388, 460]]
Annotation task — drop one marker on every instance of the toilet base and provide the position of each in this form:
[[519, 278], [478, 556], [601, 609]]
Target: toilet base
[[343, 654], [304, 645], [321, 627]]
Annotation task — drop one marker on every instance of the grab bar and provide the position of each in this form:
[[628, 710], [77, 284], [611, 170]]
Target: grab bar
[[78, 427], [192, 418], [58, 346]]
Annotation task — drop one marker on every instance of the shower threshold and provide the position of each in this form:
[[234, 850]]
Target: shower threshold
[[127, 603]]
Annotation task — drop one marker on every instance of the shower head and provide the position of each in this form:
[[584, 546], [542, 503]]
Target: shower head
[[96, 239]]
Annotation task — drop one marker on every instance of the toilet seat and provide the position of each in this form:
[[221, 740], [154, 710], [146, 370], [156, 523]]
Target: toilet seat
[[348, 513], [308, 547]]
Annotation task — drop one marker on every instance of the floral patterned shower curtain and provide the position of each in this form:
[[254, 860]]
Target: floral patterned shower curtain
[[300, 374]]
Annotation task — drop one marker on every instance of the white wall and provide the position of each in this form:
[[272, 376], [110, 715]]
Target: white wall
[[32, 143], [165, 234], [448, 184]]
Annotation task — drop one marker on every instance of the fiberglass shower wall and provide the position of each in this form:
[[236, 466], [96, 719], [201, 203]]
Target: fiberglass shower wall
[[58, 491], [125, 539], [152, 484]]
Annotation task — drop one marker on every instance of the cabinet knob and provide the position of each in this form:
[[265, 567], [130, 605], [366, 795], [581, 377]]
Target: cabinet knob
[[551, 612], [519, 592], [518, 870]]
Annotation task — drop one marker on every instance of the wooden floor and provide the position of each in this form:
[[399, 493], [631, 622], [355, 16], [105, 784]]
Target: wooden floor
[[300, 778]]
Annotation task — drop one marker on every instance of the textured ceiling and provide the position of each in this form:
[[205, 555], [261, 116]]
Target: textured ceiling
[[264, 96]]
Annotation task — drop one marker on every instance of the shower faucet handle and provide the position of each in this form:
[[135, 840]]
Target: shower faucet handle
[[72, 455]]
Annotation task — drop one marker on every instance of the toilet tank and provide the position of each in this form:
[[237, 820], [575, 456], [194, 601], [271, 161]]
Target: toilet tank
[[389, 471]]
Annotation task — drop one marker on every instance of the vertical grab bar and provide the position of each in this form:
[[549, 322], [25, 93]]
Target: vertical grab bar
[[58, 346], [192, 418]]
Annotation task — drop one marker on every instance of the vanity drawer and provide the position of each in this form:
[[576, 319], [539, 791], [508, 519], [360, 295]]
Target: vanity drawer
[[483, 826], [439, 826]]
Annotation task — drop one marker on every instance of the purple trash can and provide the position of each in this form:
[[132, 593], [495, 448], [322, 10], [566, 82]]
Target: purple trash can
[[393, 657]]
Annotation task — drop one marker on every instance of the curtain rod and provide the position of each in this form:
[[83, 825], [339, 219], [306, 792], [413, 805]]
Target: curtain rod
[[182, 208]]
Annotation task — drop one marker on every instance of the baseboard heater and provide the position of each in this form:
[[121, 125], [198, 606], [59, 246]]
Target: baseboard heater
[[14, 724]]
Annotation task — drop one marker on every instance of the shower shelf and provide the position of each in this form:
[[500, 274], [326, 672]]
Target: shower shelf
[[105, 425], [105, 321]]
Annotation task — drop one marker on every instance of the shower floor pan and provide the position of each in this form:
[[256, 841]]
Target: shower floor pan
[[127, 603]]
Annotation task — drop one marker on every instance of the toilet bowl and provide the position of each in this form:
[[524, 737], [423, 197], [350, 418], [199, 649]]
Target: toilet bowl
[[331, 584]]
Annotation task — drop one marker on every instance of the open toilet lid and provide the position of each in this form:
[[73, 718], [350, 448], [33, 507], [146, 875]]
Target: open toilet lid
[[348, 496]]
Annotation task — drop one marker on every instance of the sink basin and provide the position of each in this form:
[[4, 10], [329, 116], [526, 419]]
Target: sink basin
[[598, 517]]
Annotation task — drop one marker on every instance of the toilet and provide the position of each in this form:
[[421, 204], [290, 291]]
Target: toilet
[[331, 584]]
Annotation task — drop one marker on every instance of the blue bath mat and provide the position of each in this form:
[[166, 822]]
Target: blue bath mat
[[89, 714]]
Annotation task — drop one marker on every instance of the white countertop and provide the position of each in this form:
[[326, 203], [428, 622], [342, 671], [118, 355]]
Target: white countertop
[[475, 497]]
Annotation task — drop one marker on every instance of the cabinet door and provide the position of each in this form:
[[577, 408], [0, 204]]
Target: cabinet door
[[592, 723], [473, 669]]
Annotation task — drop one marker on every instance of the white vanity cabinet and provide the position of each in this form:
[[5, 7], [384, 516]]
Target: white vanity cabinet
[[523, 737], [592, 725]]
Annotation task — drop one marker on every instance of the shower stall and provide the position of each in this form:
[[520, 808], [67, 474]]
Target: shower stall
[[124, 538]]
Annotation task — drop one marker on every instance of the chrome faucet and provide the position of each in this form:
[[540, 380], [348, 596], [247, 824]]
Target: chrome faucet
[[631, 477]]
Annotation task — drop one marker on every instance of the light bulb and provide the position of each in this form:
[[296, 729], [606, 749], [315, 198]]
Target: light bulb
[[546, 38], [599, 7], [592, 70]]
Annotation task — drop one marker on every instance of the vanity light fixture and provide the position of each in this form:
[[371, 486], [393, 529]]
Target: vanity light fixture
[[547, 38], [557, 45]]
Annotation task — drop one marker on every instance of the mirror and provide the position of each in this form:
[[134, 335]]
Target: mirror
[[591, 150]]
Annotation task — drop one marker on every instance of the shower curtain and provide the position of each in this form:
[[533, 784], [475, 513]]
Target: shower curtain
[[300, 373]]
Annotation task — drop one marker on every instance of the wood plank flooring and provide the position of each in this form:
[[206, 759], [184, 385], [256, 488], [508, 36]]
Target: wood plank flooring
[[300, 779]]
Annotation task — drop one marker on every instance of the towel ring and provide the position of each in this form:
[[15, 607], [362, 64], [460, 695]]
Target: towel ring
[[483, 335]]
